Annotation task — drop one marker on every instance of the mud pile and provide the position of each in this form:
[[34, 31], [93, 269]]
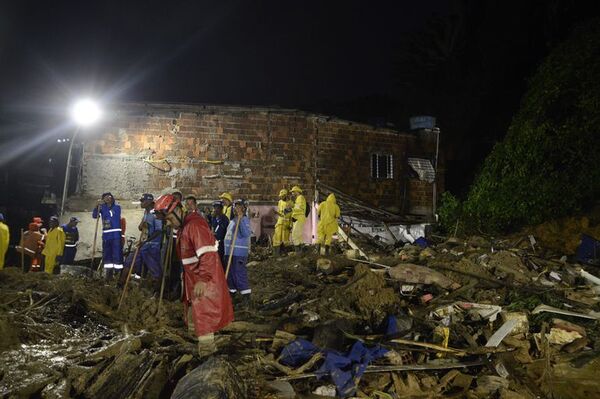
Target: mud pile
[[471, 317]]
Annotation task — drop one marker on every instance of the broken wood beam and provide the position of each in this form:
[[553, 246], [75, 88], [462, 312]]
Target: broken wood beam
[[345, 237]]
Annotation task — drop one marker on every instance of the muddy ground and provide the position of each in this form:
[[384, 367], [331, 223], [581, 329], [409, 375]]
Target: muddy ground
[[63, 336]]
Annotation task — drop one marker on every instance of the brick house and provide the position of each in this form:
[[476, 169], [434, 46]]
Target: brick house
[[252, 152]]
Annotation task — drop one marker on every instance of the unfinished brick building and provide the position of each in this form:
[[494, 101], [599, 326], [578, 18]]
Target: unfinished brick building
[[252, 152]]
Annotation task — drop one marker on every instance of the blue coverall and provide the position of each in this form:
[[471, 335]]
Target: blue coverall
[[112, 251], [238, 273]]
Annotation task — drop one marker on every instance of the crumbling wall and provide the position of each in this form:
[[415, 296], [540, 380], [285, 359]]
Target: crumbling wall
[[251, 152]]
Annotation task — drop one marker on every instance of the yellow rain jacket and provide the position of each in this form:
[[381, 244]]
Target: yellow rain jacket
[[284, 223], [55, 244], [329, 212], [299, 213], [4, 238]]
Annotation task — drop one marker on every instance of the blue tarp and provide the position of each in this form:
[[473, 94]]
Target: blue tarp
[[345, 370], [589, 249], [422, 242]]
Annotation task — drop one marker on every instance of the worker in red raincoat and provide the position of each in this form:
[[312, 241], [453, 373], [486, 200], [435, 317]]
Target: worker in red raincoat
[[206, 300]]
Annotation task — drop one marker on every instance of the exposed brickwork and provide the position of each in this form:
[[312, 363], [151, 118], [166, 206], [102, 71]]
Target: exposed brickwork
[[251, 152]]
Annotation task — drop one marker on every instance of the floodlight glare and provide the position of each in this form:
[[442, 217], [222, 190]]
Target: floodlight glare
[[85, 112]]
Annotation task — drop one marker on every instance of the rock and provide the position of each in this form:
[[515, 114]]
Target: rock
[[417, 274], [351, 253], [325, 390], [487, 385], [558, 336], [453, 242], [328, 266], [327, 334], [576, 345], [214, 379], [283, 389], [478, 242], [427, 253], [568, 326], [522, 326]]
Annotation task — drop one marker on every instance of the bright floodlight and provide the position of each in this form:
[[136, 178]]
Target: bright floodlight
[[85, 112]]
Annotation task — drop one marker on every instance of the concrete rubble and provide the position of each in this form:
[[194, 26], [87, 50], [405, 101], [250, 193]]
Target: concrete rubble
[[451, 317]]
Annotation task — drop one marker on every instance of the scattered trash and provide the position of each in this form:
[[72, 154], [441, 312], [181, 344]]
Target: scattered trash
[[442, 317]]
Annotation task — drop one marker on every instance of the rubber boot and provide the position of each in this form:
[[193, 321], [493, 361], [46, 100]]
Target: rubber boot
[[109, 273], [206, 345], [246, 302], [122, 278], [156, 283], [276, 251], [297, 249]]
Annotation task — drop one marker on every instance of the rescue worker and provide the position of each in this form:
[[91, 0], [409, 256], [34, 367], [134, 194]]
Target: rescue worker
[[227, 199], [71, 241], [299, 214], [112, 250], [328, 212], [238, 273], [33, 244], [191, 205], [149, 252], [207, 304], [281, 237], [4, 239], [219, 224], [54, 245], [179, 196]]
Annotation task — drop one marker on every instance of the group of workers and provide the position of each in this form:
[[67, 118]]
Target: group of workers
[[43, 248], [292, 211], [158, 249], [208, 249]]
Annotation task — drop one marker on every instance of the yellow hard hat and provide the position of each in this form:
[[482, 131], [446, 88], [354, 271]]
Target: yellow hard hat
[[283, 192], [296, 189], [226, 196]]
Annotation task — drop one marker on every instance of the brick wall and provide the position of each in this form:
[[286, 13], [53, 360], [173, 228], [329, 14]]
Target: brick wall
[[252, 152]]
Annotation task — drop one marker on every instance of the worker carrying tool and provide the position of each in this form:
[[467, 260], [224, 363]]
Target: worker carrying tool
[[219, 224], [4, 240], [71, 241], [207, 304], [237, 246], [281, 237], [329, 213], [149, 252], [227, 199], [54, 245], [299, 214], [112, 250]]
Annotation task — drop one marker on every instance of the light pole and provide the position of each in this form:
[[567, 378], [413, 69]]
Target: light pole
[[85, 113]]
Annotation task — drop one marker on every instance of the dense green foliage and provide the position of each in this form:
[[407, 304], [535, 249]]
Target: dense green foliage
[[549, 163]]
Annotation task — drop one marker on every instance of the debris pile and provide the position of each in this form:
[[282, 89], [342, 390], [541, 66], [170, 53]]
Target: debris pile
[[469, 317]]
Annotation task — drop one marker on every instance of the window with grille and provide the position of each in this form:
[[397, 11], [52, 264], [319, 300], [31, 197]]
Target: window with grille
[[382, 166]]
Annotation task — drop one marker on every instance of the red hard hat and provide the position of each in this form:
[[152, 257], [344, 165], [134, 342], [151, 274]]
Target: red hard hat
[[166, 203]]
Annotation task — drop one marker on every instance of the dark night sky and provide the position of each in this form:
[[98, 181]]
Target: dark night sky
[[235, 52], [465, 61]]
